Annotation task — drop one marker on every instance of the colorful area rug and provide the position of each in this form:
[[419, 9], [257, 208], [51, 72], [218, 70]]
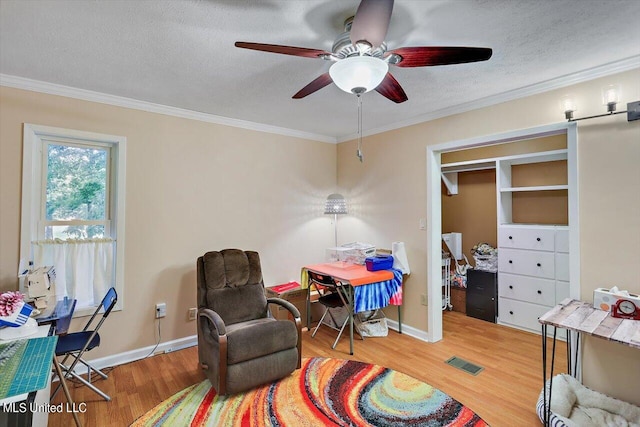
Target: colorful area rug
[[325, 392]]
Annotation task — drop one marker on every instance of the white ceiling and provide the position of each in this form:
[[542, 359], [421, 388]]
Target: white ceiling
[[180, 53]]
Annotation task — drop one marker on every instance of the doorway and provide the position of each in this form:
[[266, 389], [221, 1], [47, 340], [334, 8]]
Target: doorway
[[434, 210]]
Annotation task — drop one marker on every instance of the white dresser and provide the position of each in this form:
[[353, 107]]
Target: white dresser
[[533, 272]]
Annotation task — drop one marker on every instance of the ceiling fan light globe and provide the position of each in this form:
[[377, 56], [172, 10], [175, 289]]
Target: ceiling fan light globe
[[356, 72]]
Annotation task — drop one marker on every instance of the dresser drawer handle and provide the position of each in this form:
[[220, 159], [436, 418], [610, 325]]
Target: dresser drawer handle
[[538, 239], [510, 237], [510, 262], [510, 286], [539, 265], [511, 312], [539, 292]]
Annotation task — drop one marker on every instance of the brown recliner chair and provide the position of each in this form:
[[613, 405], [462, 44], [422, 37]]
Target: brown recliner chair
[[240, 346]]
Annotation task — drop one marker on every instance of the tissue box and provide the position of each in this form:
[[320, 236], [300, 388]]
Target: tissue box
[[603, 299]]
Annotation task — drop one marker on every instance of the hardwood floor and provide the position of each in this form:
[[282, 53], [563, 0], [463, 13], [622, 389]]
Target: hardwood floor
[[503, 394]]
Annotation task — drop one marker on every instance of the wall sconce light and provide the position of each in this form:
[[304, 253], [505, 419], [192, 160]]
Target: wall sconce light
[[568, 105], [610, 98]]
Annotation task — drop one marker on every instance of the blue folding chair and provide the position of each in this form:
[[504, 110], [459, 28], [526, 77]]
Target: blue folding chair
[[75, 344]]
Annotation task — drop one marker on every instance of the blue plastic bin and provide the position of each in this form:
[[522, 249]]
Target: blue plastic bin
[[379, 262]]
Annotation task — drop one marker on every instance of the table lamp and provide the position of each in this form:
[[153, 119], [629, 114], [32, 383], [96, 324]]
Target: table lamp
[[336, 204]]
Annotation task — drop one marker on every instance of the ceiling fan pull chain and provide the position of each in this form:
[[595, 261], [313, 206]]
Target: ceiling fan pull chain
[[359, 152]]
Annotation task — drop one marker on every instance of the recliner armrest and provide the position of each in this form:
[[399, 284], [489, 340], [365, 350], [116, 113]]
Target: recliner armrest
[[214, 319], [286, 304], [296, 319]]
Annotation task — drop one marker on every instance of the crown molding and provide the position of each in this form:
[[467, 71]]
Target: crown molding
[[103, 98], [120, 101], [534, 89]]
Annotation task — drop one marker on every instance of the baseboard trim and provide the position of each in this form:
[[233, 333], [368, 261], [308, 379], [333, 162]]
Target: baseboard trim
[[409, 330], [191, 341], [139, 354]]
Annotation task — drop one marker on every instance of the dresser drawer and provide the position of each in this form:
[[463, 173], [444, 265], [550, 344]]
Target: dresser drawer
[[539, 239], [529, 263], [529, 289], [522, 314]]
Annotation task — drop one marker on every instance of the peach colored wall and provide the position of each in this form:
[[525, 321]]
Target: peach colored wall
[[389, 192], [191, 187]]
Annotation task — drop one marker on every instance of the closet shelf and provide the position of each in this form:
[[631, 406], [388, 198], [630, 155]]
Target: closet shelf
[[534, 188]]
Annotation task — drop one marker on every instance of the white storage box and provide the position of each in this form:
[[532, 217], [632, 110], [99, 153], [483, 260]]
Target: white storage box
[[604, 299], [357, 252]]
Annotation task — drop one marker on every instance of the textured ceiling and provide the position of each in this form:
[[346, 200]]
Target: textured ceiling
[[181, 53]]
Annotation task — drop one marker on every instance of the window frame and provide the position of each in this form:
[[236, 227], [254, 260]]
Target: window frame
[[109, 213], [35, 139]]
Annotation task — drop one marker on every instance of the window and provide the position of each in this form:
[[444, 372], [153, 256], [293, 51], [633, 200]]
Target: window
[[76, 191], [73, 210]]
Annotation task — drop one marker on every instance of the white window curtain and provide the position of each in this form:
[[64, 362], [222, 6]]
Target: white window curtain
[[84, 268]]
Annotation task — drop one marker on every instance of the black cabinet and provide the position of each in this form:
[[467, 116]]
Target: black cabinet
[[482, 295]]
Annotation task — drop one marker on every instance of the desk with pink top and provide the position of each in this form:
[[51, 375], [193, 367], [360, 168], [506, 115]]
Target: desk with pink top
[[363, 289]]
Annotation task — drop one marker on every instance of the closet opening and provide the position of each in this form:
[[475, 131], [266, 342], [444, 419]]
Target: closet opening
[[503, 191]]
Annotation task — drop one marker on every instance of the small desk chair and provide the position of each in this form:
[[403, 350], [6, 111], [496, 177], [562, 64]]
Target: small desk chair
[[74, 345], [331, 296]]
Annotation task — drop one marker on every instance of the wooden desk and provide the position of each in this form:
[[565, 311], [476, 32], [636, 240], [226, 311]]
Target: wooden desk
[[582, 318], [350, 276], [353, 274]]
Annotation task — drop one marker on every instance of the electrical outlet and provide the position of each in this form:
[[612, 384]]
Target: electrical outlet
[[193, 312], [423, 299], [161, 310]]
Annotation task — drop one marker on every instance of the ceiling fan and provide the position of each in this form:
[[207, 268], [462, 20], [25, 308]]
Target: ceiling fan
[[360, 56]]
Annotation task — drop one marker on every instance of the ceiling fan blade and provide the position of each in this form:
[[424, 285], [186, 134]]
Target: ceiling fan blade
[[285, 50], [371, 21], [423, 56], [391, 89], [315, 85]]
